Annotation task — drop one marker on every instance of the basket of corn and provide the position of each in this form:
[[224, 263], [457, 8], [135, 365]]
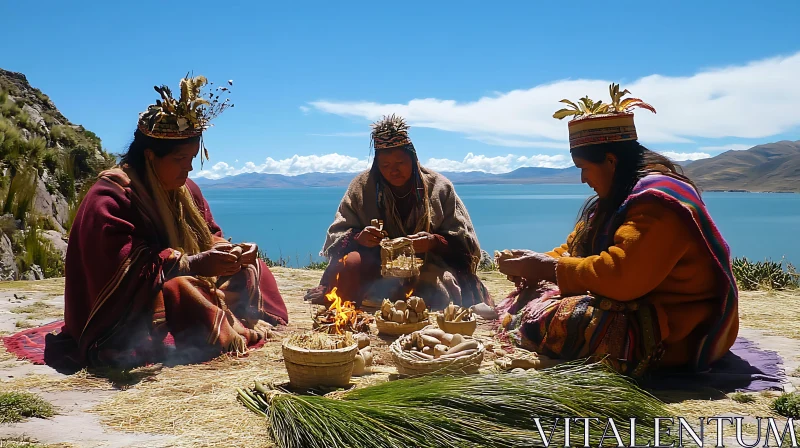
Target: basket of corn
[[434, 351], [316, 359], [455, 319], [402, 316]]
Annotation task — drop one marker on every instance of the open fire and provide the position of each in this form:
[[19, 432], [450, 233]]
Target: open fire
[[341, 315]]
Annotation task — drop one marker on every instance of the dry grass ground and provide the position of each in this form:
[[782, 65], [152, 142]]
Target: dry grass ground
[[196, 405]]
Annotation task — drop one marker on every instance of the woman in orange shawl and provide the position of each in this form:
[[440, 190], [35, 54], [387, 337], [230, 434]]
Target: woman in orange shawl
[[644, 281], [146, 259]]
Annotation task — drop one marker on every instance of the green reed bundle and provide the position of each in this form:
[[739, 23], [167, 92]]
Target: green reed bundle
[[490, 410]]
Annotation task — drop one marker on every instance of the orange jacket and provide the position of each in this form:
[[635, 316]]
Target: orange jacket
[[655, 257]]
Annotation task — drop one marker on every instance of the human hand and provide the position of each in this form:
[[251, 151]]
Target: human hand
[[249, 253], [534, 267], [422, 242], [214, 263], [371, 236], [223, 246]]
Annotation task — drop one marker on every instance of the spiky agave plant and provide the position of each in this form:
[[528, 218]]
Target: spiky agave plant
[[488, 410], [767, 274]]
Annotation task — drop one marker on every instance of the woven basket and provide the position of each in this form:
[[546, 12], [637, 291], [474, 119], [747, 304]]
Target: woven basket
[[395, 329], [313, 368], [466, 328], [398, 258], [408, 366]]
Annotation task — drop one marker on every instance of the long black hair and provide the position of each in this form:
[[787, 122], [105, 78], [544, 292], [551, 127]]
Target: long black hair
[[134, 156], [634, 161]]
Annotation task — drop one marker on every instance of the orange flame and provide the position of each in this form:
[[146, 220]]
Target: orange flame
[[344, 311], [408, 294]]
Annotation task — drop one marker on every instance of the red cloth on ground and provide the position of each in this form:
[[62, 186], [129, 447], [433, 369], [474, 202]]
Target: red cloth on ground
[[41, 345]]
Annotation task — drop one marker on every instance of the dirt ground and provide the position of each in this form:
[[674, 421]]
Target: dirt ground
[[196, 405]]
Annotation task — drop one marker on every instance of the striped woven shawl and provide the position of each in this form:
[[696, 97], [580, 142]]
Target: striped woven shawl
[[685, 200]]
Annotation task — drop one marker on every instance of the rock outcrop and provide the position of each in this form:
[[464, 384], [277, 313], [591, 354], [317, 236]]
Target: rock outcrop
[[48, 160]]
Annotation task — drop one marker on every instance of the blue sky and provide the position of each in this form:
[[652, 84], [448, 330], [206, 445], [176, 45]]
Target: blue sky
[[477, 81]]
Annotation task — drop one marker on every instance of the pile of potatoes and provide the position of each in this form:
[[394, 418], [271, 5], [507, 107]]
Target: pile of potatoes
[[453, 313], [432, 343], [363, 360], [410, 311]]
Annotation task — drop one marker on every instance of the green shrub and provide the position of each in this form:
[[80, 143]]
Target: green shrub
[[317, 265], [41, 96], [769, 275], [3, 96], [82, 160], [18, 200], [51, 161], [40, 252], [740, 397], [93, 138], [9, 109], [48, 119], [35, 148], [19, 442], [7, 225], [10, 139], [787, 405], [280, 262], [66, 184], [17, 406], [24, 121], [64, 135]]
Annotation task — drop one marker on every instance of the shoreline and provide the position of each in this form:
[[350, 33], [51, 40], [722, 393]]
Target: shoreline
[[204, 186]]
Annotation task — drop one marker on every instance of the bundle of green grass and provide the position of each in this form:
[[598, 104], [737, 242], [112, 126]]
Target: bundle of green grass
[[487, 410]]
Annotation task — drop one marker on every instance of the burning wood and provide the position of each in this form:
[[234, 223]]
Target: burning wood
[[341, 315]]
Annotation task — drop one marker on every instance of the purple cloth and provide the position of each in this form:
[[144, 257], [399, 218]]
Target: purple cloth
[[745, 368]]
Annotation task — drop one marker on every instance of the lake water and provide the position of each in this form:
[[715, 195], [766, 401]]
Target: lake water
[[291, 223]]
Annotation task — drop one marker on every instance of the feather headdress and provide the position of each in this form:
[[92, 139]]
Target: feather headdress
[[597, 122], [187, 116], [391, 132]]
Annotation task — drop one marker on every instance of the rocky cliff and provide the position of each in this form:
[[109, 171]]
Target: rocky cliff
[[46, 162]]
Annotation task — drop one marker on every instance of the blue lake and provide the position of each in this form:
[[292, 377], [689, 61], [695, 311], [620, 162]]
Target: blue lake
[[291, 223]]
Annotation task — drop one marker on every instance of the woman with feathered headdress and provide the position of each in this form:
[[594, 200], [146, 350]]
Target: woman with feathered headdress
[[146, 259], [644, 280], [413, 202]]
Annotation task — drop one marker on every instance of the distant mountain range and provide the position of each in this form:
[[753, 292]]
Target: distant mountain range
[[771, 167], [525, 175]]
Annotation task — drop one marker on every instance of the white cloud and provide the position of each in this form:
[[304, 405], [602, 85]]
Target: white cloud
[[497, 141], [498, 164], [734, 147], [336, 163], [684, 156], [327, 163], [754, 100], [305, 109]]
